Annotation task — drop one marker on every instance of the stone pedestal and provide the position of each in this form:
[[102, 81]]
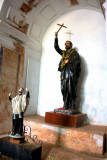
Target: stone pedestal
[[24, 151], [76, 120], [17, 141]]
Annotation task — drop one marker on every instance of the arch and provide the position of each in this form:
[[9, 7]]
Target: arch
[[44, 26]]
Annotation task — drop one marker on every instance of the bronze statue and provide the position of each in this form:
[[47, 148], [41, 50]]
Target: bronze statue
[[70, 68]]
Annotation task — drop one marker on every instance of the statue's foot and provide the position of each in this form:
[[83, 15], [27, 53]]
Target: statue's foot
[[64, 107], [13, 133], [17, 134], [21, 134]]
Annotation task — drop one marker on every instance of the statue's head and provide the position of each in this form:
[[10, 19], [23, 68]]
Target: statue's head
[[68, 44], [21, 90]]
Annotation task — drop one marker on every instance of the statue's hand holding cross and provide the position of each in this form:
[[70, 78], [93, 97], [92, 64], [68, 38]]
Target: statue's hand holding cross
[[61, 25]]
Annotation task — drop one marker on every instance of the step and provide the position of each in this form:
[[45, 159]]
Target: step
[[87, 139]]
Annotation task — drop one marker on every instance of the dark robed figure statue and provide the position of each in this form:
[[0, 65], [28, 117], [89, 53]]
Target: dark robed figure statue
[[70, 68]]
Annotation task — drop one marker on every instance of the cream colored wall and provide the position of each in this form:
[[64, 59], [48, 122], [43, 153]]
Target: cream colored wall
[[88, 35]]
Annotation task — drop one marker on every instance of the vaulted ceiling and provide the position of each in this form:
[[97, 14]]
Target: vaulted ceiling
[[27, 20]]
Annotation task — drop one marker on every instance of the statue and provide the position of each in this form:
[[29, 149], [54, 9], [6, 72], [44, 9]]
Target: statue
[[70, 68], [19, 104]]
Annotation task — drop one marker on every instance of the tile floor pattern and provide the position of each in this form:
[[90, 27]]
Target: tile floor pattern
[[50, 152]]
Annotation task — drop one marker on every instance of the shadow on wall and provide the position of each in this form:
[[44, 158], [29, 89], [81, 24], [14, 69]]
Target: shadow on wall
[[81, 83]]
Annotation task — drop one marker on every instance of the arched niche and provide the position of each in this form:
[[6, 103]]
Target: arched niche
[[86, 29]]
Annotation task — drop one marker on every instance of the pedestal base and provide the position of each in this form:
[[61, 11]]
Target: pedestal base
[[76, 120], [17, 141], [25, 151]]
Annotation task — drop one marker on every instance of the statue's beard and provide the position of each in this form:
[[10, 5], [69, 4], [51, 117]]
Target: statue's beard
[[67, 47]]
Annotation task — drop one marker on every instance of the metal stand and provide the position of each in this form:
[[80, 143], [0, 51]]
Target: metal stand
[[27, 130]]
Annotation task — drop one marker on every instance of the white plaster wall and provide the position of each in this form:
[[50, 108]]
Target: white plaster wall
[[88, 35], [31, 78]]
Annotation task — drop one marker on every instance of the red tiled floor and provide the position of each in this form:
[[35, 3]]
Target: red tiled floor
[[52, 152]]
